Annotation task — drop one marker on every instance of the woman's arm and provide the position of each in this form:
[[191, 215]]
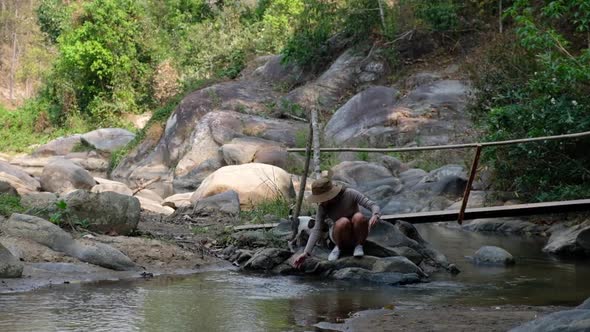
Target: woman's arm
[[316, 231]]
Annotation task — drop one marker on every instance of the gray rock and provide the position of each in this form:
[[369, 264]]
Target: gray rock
[[106, 211], [250, 239], [570, 241], [227, 202], [274, 71], [38, 200], [357, 173], [10, 267], [108, 139], [442, 172], [493, 256], [389, 278], [45, 233], [266, 259], [7, 189], [245, 150], [575, 320], [372, 107], [332, 85], [58, 147], [505, 226], [18, 178], [412, 176], [61, 176], [585, 305]]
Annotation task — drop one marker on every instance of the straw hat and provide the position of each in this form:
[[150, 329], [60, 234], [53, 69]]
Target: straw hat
[[323, 190]]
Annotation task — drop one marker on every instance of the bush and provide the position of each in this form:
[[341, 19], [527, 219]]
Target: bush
[[550, 96], [10, 204]]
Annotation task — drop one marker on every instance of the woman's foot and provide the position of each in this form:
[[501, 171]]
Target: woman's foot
[[334, 254], [358, 251]]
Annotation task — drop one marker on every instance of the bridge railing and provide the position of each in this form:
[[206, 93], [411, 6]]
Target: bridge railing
[[478, 147]]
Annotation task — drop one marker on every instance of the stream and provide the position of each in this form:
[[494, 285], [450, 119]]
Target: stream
[[231, 301]]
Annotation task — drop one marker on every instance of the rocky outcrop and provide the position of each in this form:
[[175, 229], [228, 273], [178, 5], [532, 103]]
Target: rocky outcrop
[[61, 176], [253, 182], [154, 207], [58, 147], [224, 207], [490, 255], [178, 200], [432, 114], [569, 241], [107, 139], [344, 74], [17, 178], [505, 226], [7, 189], [245, 150], [10, 267], [38, 200], [105, 212], [50, 235], [574, 320]]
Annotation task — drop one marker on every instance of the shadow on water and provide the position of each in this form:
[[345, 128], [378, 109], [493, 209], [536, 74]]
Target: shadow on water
[[229, 301]]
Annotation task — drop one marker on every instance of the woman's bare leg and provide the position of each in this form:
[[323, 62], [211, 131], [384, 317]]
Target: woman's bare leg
[[360, 227], [343, 233]]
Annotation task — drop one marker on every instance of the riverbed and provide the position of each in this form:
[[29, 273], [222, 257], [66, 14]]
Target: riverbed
[[230, 301]]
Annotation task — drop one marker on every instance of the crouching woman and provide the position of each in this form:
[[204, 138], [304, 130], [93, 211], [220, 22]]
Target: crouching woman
[[342, 205]]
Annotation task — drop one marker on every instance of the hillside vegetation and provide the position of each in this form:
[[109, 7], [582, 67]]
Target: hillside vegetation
[[113, 57]]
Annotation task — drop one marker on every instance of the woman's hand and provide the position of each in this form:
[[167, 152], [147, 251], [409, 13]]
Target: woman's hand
[[299, 260], [373, 221]]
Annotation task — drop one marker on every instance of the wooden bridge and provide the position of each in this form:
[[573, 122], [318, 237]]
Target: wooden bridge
[[475, 213]]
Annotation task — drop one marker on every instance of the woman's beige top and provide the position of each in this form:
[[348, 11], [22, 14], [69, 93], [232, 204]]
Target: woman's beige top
[[346, 204]]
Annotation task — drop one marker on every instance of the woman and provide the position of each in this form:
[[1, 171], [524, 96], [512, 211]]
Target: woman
[[342, 205]]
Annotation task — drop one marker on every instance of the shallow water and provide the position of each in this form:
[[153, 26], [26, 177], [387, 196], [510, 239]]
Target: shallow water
[[228, 301]]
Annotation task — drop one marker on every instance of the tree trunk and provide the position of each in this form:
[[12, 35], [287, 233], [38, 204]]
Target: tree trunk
[[13, 62], [382, 14], [316, 143], [501, 27]]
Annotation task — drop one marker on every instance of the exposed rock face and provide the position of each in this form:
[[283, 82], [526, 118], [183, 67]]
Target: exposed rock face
[[570, 241], [245, 150], [105, 211], [50, 235], [10, 267], [341, 77], [38, 200], [432, 114], [17, 178], [107, 139], [178, 200], [253, 182], [490, 255], [61, 176], [574, 320]]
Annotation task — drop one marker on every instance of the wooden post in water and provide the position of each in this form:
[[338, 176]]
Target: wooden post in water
[[302, 184], [469, 183]]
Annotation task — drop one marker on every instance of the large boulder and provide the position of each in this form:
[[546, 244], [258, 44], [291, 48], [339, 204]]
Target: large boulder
[[573, 240], [105, 211], [10, 267], [243, 150], [17, 178], [490, 255], [266, 259], [154, 206], [363, 275], [58, 147], [7, 189], [505, 226], [372, 108], [573, 320], [253, 182], [119, 188], [107, 139], [45, 233], [62, 176], [38, 200]]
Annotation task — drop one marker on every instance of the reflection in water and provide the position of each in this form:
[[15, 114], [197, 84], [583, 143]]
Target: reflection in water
[[228, 301]]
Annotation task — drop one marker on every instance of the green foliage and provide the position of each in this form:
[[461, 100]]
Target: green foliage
[[61, 216], [440, 15], [53, 17], [551, 98], [10, 204], [278, 207]]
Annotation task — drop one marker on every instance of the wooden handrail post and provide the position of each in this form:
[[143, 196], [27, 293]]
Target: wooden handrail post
[[302, 184], [469, 183]]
